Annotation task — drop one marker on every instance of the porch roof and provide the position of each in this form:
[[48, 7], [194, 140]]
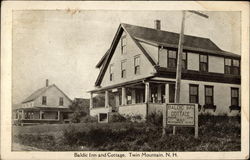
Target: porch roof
[[137, 81], [38, 108], [152, 79]]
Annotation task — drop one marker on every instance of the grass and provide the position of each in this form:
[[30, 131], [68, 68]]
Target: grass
[[216, 133]]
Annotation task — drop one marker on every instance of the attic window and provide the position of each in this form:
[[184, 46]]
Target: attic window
[[123, 44], [61, 101], [44, 100], [137, 65], [203, 63]]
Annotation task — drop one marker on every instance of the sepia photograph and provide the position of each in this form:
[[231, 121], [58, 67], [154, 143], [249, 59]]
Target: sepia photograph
[[128, 83]]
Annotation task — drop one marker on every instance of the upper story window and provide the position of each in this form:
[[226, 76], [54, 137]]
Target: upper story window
[[228, 65], [232, 66], [137, 65], [44, 100], [203, 63], [123, 69], [209, 95], [172, 59], [61, 101], [111, 72], [123, 44], [184, 60], [236, 67], [193, 93], [235, 96]]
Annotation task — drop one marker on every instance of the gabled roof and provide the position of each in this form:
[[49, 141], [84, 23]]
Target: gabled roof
[[40, 91], [159, 38]]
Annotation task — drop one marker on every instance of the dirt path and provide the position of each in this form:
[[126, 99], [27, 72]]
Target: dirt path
[[20, 147]]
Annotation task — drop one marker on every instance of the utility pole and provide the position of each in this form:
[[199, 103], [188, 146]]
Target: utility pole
[[179, 57]]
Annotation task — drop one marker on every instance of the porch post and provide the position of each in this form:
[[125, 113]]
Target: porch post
[[133, 96], [23, 114], [106, 99], [159, 93], [124, 96], [117, 100], [40, 114], [91, 101], [58, 115], [147, 92], [167, 93], [17, 112]]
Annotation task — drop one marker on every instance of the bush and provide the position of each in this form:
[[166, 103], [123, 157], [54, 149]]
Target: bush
[[117, 118], [89, 119], [155, 119]]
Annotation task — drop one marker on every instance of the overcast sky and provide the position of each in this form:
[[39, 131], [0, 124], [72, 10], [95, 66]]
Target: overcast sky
[[64, 47]]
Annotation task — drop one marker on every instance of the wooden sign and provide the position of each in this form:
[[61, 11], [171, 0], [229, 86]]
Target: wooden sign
[[181, 115]]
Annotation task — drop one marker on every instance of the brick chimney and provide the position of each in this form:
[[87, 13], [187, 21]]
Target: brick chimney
[[47, 82], [157, 24]]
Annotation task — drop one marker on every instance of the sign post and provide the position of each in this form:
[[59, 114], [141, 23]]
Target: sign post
[[182, 115]]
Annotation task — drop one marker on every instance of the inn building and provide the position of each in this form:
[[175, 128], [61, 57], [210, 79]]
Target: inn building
[[138, 73]]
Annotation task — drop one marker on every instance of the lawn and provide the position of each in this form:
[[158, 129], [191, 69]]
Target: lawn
[[216, 133]]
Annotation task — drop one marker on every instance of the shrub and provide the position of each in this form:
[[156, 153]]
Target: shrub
[[155, 119], [117, 118], [89, 119]]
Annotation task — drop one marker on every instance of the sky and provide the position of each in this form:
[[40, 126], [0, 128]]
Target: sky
[[64, 46]]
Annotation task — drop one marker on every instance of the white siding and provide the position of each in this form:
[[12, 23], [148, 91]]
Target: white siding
[[151, 50], [53, 95], [146, 67]]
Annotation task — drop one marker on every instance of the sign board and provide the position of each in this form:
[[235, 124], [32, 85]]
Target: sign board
[[181, 114]]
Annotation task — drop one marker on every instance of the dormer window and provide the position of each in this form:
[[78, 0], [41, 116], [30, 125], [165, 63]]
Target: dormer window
[[232, 66], [236, 67], [111, 72], [203, 63], [172, 59], [184, 60], [44, 100], [228, 65], [61, 101], [123, 44]]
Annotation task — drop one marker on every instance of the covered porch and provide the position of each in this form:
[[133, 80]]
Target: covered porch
[[38, 115], [136, 98]]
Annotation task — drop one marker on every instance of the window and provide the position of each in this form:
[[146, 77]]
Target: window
[[172, 59], [123, 69], [137, 64], [228, 65], [193, 93], [209, 95], [111, 72], [44, 100], [236, 67], [235, 96], [61, 101], [232, 66], [123, 44], [203, 63], [184, 60]]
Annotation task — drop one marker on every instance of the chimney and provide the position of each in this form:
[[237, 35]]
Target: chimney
[[157, 24], [47, 82]]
